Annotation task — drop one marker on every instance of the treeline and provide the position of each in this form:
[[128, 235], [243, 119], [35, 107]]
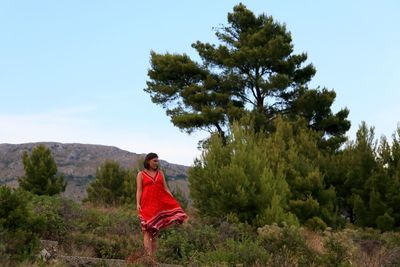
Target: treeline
[[283, 176]]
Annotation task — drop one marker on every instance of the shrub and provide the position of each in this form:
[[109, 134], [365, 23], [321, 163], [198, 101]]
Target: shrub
[[235, 253], [339, 248], [19, 226], [385, 222], [316, 224], [287, 246], [113, 185], [49, 209]]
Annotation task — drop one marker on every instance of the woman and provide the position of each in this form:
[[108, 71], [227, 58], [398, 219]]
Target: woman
[[156, 206]]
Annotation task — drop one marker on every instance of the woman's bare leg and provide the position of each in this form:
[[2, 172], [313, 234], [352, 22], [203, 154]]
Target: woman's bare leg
[[147, 242], [153, 247]]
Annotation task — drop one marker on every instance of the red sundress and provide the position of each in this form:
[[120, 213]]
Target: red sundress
[[158, 209]]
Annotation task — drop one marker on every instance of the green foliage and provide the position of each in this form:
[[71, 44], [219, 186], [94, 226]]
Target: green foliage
[[113, 185], [234, 178], [316, 224], [105, 247], [339, 252], [235, 253], [305, 208], [287, 246], [41, 176], [176, 246], [114, 222], [115, 232], [50, 210], [369, 190], [253, 70], [208, 243], [314, 105], [180, 197], [263, 179], [19, 226], [104, 232], [385, 222]]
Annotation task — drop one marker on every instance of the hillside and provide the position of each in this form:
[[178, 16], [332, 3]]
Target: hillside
[[79, 163]]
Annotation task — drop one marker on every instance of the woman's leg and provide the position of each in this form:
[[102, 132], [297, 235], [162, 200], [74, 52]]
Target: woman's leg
[[147, 242], [153, 247]]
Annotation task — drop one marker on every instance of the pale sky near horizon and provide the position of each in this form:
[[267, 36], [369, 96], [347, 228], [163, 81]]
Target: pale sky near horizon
[[74, 71]]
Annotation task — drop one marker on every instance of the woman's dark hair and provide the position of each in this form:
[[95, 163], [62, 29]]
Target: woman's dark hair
[[149, 157]]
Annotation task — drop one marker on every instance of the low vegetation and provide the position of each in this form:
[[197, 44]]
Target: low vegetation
[[114, 233]]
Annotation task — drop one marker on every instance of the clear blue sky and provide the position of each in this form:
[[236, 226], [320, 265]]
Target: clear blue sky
[[74, 71]]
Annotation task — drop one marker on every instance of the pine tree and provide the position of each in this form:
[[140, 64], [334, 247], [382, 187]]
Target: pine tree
[[311, 197], [113, 185], [372, 179], [253, 69], [263, 178], [41, 175], [233, 179]]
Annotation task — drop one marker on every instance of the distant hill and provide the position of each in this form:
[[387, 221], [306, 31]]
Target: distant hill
[[79, 162]]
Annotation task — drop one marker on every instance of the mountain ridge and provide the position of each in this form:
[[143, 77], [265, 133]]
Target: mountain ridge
[[78, 162]]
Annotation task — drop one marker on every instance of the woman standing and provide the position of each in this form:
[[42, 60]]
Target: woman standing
[[156, 206]]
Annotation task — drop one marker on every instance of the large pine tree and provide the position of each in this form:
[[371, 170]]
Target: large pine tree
[[252, 69]]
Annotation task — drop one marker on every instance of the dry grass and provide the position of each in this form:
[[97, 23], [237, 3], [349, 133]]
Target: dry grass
[[140, 258], [375, 254], [101, 208], [315, 241], [71, 248]]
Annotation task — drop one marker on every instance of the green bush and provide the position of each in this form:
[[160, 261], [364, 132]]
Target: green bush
[[175, 246], [19, 226], [385, 222], [233, 253], [116, 221], [106, 232], [231, 228], [316, 224], [209, 242], [340, 250], [113, 185], [287, 246], [49, 209]]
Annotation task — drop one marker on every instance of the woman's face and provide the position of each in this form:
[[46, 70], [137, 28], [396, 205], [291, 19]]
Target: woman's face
[[153, 164]]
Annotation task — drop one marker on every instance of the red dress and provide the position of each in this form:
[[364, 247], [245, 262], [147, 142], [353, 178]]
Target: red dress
[[158, 208]]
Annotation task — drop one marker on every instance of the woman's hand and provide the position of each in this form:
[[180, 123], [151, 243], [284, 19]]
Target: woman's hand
[[138, 207]]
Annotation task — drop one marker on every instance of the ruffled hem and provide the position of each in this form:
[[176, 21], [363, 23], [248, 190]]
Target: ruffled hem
[[162, 220]]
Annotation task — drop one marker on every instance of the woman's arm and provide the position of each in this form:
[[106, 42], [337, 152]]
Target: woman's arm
[[165, 184], [138, 190]]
